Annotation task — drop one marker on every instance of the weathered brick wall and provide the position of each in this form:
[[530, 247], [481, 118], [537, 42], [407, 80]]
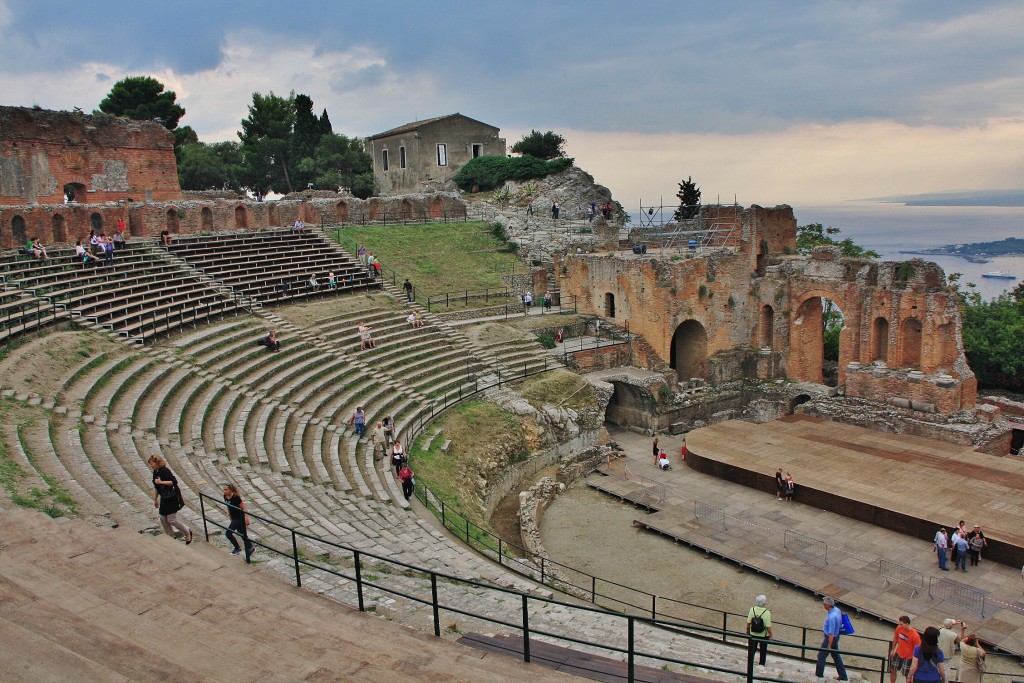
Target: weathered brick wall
[[105, 157], [744, 311], [66, 223]]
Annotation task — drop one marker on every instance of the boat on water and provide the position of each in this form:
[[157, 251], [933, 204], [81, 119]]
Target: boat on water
[[999, 275]]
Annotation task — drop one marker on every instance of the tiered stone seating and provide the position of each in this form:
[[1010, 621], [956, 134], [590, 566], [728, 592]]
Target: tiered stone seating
[[141, 294], [258, 264], [83, 603], [521, 356]]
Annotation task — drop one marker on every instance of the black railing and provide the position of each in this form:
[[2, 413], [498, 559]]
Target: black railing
[[524, 609]]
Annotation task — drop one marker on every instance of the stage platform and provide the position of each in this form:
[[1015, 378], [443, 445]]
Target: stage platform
[[873, 484], [908, 484]]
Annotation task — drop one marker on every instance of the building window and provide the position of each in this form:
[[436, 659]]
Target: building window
[[442, 154], [401, 157], [384, 158], [478, 150]]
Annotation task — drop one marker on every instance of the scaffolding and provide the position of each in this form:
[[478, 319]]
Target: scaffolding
[[708, 230]]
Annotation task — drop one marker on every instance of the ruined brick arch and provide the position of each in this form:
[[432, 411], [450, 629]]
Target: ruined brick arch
[[172, 223], [60, 233], [806, 339], [910, 343], [18, 230], [241, 217], [272, 218], [373, 209], [96, 221], [341, 211], [436, 208], [206, 219], [948, 351], [766, 328], [880, 339], [405, 209], [609, 305], [689, 351]]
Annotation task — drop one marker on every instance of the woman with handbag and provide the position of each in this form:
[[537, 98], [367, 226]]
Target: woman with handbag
[[168, 499], [972, 660]]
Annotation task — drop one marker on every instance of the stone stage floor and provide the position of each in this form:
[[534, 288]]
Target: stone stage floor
[[864, 499]]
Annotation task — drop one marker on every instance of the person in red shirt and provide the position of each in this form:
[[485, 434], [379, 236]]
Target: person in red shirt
[[406, 476], [901, 652]]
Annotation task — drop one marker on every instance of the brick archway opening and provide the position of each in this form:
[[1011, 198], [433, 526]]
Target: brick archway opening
[[60, 234], [880, 340], [74, 192], [910, 344], [18, 231], [96, 222], [689, 350], [816, 340], [766, 328], [206, 216], [241, 217], [172, 220], [609, 305]]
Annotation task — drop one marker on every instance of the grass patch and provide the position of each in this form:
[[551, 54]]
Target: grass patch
[[476, 429], [559, 388], [438, 257], [54, 501]]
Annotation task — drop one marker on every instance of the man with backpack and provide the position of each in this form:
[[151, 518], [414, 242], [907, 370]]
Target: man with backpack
[[759, 628]]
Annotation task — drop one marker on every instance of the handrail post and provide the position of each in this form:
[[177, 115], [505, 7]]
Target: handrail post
[[725, 626], [359, 580], [434, 605], [631, 665], [202, 511], [751, 648], [295, 556], [526, 629]]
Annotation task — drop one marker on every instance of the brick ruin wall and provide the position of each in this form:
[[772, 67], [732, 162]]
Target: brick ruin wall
[[66, 223], [105, 158], [752, 309]]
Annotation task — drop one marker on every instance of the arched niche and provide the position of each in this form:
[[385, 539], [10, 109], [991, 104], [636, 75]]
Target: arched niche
[[910, 343], [689, 350], [880, 340]]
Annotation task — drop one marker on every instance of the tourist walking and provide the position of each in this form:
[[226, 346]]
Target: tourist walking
[[405, 475], [167, 498], [358, 422], [941, 546], [407, 286], [972, 660], [830, 643], [239, 523], [398, 456], [927, 659], [759, 628], [949, 641], [901, 650], [555, 209], [389, 429], [975, 542], [361, 253]]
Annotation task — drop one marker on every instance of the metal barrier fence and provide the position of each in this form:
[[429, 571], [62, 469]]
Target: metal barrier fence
[[712, 513], [957, 593], [808, 546], [892, 572], [652, 490], [621, 628]]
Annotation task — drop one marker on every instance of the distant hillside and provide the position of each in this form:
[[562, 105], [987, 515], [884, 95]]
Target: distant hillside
[[966, 198]]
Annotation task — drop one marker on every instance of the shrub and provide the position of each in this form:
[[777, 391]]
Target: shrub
[[489, 172], [547, 341]]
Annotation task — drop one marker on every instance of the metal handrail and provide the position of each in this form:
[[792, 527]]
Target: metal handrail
[[466, 608]]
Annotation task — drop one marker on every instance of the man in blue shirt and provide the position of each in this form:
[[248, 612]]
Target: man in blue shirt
[[830, 645]]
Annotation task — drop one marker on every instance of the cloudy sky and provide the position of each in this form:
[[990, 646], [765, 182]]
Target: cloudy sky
[[767, 101]]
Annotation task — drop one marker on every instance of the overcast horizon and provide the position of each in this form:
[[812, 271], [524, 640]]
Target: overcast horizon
[[776, 102]]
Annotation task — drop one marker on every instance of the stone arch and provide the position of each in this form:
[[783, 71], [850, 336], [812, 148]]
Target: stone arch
[[766, 328], [341, 211], [436, 207], [405, 209], [172, 223], [910, 343], [807, 341], [688, 355], [96, 221], [206, 219], [374, 209], [18, 230], [609, 305], [241, 217], [880, 339], [796, 401], [272, 216], [74, 192], [60, 233]]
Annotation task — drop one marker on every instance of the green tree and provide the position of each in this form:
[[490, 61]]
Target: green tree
[[210, 167], [143, 99], [325, 124], [266, 138], [305, 136], [816, 235], [993, 335], [338, 161], [689, 200], [548, 145]]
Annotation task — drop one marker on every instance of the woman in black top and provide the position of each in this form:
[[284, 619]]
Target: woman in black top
[[167, 498], [239, 521]]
